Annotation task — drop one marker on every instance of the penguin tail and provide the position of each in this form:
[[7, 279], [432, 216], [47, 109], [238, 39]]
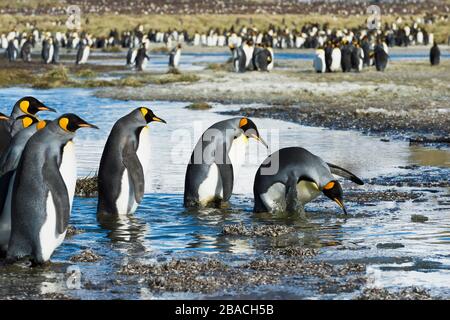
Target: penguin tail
[[344, 173]]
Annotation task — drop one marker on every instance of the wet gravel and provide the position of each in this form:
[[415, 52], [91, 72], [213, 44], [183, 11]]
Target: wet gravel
[[412, 293], [256, 231]]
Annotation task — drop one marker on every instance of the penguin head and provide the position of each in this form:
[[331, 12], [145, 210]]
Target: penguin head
[[333, 190], [70, 122], [149, 116], [31, 106], [250, 130], [26, 120]]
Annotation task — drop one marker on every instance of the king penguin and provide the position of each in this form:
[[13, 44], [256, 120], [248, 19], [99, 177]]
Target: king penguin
[[319, 61], [8, 165], [43, 190], [124, 163], [174, 57], [293, 176], [210, 173], [435, 55]]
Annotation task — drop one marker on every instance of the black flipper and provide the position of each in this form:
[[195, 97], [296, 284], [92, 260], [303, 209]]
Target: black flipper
[[60, 195], [135, 170], [293, 205], [344, 173], [226, 173]]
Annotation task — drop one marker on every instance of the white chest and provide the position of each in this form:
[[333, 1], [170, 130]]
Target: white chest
[[211, 188], [237, 153]]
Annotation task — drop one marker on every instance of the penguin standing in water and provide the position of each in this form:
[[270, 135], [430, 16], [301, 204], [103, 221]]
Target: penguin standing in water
[[210, 173], [319, 61], [301, 177], [43, 190], [238, 58], [174, 57], [381, 57], [435, 55], [24, 106], [141, 58], [8, 165], [124, 164]]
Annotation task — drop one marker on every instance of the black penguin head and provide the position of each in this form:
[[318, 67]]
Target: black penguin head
[[70, 122], [31, 105], [250, 130], [149, 116], [26, 120], [3, 117], [333, 190]]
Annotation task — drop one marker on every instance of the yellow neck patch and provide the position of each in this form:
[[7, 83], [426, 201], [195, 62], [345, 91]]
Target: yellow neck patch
[[26, 122], [63, 122], [144, 112], [24, 105], [41, 125], [329, 185], [243, 122]]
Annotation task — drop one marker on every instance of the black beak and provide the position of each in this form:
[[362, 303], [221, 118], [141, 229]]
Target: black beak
[[43, 107], [341, 204], [157, 119]]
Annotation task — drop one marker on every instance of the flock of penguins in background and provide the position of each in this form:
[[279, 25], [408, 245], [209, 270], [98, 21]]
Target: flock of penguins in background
[[252, 49], [38, 173]]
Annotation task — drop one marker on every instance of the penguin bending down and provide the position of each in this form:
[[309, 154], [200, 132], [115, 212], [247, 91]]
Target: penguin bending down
[[319, 61], [43, 191], [124, 164], [435, 55], [210, 172], [174, 57], [300, 177], [262, 59], [8, 165], [24, 106]]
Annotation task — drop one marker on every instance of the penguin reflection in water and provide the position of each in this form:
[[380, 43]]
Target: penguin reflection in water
[[292, 177], [43, 190], [124, 163], [210, 173]]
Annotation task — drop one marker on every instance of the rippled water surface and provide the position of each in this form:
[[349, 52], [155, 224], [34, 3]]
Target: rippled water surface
[[162, 227]]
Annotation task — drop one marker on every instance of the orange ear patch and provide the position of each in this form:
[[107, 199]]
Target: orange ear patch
[[63, 122], [24, 106], [243, 122], [26, 122], [329, 185], [41, 125]]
